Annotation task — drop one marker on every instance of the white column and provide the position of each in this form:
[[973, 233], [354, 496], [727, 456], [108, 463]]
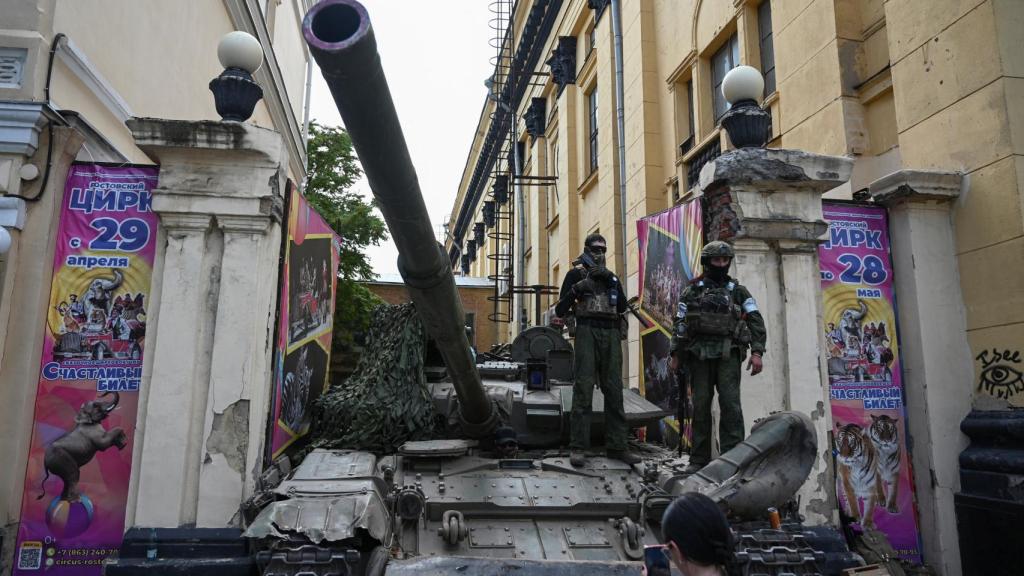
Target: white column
[[936, 359], [235, 419], [176, 399]]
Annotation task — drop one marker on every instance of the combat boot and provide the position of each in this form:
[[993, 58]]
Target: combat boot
[[577, 458], [625, 456]]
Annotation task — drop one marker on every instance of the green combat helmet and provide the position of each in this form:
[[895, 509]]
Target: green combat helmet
[[715, 249]]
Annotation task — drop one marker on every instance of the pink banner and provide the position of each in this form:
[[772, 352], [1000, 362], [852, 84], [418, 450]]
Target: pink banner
[[76, 481], [308, 283], [669, 246], [873, 475]]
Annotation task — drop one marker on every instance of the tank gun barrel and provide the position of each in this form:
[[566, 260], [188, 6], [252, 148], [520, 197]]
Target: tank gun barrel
[[341, 39]]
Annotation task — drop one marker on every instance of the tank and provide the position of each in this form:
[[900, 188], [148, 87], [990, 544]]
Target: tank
[[466, 504], [497, 493]]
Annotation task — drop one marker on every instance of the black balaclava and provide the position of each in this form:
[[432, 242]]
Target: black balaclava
[[717, 273], [598, 257]]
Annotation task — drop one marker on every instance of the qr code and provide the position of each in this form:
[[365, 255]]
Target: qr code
[[30, 556]]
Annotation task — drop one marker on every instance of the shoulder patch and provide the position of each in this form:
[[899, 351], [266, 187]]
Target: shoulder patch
[[750, 305]]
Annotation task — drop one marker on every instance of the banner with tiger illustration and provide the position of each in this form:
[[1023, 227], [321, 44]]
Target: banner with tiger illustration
[[669, 244], [873, 475], [309, 280]]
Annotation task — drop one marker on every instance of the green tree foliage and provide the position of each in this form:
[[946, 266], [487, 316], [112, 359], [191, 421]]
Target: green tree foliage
[[333, 169]]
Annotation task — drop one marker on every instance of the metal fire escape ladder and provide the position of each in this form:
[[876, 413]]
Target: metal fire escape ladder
[[499, 211]]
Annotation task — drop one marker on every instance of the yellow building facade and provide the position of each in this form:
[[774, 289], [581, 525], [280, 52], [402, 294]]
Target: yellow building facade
[[899, 86], [894, 85]]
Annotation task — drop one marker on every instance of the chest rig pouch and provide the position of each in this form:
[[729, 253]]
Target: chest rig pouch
[[597, 304], [714, 313]]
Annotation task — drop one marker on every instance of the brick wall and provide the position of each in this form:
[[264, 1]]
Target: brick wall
[[474, 301]]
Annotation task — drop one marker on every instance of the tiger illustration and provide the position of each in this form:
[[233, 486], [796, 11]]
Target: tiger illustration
[[858, 471], [885, 435]]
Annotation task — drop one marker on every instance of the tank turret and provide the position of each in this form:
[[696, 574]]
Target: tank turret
[[341, 39]]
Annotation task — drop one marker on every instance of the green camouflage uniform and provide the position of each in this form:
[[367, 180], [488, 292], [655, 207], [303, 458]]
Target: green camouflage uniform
[[714, 326], [598, 355]]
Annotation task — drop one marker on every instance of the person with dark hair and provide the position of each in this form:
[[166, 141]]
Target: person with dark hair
[[596, 297], [697, 536]]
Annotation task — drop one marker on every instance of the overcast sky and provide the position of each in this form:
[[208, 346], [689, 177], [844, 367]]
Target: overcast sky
[[436, 57]]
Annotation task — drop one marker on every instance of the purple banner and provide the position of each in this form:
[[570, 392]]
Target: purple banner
[[873, 475], [80, 457], [670, 244]]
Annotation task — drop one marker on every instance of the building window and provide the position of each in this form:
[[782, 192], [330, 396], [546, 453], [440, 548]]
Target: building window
[[591, 38], [592, 128], [764, 27], [727, 58], [551, 191], [687, 133], [553, 158]]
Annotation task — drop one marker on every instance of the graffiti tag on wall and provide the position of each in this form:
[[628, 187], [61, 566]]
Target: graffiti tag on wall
[[999, 374]]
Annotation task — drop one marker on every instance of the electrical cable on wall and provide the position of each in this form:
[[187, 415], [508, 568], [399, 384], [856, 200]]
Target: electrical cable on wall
[[54, 45]]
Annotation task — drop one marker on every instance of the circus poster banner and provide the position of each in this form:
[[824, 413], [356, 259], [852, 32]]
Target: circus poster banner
[[873, 475], [306, 321], [669, 246], [80, 456]]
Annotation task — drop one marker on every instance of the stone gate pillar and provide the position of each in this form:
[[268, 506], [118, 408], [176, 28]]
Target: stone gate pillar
[[934, 353], [767, 203], [207, 374]]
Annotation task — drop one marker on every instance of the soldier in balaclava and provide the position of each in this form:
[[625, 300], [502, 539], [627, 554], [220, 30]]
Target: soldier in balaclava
[[596, 297], [717, 321]]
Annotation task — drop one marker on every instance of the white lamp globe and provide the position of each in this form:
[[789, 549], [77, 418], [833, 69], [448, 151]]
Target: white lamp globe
[[240, 50], [5, 240], [742, 83]]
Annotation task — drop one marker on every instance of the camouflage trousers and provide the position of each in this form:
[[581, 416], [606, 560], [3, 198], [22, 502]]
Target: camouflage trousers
[[598, 360], [707, 375]]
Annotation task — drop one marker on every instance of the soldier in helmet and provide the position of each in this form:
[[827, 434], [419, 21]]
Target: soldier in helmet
[[598, 299], [717, 320]]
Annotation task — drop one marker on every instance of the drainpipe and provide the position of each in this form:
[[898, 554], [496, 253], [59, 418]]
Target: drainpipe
[[305, 120], [620, 118], [517, 171]]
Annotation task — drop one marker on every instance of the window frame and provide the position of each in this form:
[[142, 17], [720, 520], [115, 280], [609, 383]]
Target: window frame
[[730, 51], [593, 102], [766, 45]]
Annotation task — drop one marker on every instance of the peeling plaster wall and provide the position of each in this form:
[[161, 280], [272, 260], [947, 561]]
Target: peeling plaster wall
[[203, 422]]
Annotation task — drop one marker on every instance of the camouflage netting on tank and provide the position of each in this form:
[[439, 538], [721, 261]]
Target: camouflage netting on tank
[[386, 401]]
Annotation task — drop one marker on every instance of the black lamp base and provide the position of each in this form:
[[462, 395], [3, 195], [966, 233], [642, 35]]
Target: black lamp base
[[235, 94], [747, 124]]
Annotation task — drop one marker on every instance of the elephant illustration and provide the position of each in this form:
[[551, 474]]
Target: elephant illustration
[[851, 318], [66, 455], [98, 295]]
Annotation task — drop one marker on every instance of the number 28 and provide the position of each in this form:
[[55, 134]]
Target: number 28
[[133, 232], [869, 271]]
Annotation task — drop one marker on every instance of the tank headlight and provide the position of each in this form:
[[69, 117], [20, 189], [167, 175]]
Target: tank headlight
[[410, 504]]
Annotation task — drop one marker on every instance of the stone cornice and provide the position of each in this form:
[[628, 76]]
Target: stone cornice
[[20, 125], [783, 229], [12, 213], [771, 169], [175, 202], [76, 61], [916, 186], [184, 221], [256, 224], [159, 137]]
